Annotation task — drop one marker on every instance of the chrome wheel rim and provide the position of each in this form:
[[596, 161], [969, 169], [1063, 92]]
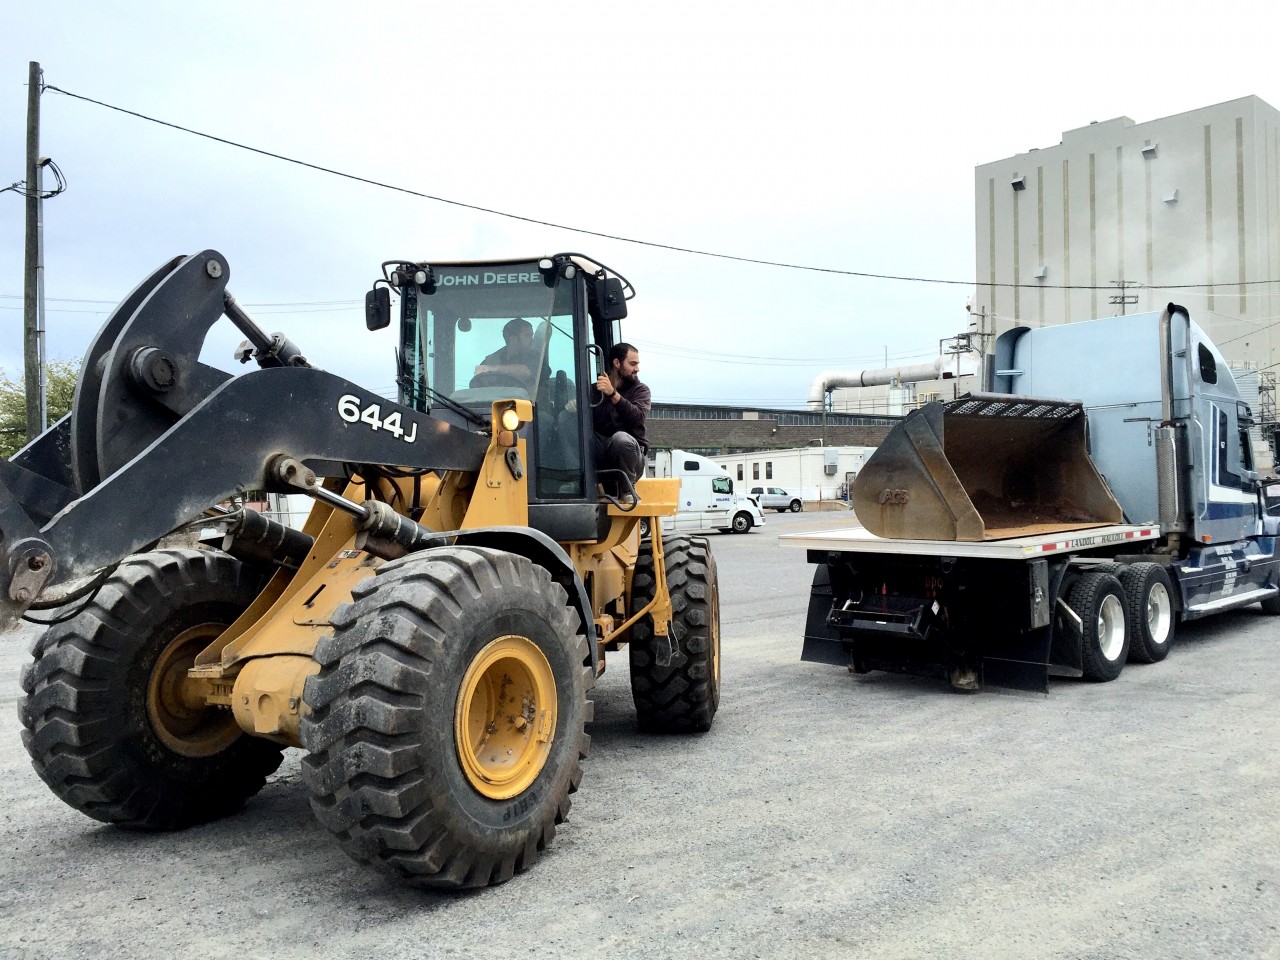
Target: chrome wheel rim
[[1159, 614], [1111, 627]]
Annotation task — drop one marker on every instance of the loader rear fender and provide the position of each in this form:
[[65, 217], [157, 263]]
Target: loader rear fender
[[546, 553]]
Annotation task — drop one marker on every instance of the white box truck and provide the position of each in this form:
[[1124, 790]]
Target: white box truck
[[708, 500]]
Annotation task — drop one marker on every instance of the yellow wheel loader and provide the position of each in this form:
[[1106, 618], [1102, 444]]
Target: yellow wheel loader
[[430, 636]]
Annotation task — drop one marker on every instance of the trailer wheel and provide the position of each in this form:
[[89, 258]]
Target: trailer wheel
[[1152, 621], [1098, 599], [683, 695], [107, 724], [448, 719], [741, 522]]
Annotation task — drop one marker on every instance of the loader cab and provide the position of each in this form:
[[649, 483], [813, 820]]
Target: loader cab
[[475, 333]]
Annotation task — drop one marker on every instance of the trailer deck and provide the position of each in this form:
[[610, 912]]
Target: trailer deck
[[858, 539]]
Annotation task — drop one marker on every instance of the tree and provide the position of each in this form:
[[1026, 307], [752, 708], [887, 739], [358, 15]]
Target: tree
[[60, 386]]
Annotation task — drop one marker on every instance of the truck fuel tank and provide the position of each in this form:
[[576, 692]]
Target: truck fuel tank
[[984, 467]]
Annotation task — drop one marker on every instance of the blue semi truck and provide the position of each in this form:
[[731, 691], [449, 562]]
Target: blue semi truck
[[1100, 491]]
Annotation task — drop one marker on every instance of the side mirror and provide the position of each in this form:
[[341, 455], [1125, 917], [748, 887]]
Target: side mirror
[[377, 308], [610, 303]]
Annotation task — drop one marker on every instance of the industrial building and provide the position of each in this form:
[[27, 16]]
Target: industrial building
[[1126, 217], [715, 431]]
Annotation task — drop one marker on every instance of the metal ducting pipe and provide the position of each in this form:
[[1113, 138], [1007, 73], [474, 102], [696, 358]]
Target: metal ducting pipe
[[936, 369]]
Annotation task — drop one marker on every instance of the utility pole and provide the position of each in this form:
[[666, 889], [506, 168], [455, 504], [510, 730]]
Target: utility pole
[[31, 339], [1123, 297]]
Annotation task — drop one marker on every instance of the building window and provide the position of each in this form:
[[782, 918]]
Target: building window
[[739, 471], [768, 469], [755, 471]]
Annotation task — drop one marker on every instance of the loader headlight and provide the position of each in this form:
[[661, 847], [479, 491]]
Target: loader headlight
[[510, 420]]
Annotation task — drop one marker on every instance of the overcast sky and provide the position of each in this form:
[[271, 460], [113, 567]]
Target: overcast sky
[[833, 135]]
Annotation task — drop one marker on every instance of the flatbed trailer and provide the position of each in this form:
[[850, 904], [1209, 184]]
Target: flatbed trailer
[[1025, 547], [1008, 612]]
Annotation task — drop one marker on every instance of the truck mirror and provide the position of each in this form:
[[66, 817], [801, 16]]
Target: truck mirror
[[1271, 499], [377, 308], [610, 303]]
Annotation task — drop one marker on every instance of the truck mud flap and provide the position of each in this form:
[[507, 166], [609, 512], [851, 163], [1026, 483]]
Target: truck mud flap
[[904, 635]]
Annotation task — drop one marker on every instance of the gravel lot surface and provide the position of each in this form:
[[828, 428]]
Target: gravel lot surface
[[825, 815]]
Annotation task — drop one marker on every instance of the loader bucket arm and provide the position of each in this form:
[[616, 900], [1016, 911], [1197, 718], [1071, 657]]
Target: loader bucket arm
[[984, 467], [155, 437], [223, 447]]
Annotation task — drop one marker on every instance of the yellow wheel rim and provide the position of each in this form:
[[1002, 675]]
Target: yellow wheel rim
[[178, 714], [505, 720], [715, 635]]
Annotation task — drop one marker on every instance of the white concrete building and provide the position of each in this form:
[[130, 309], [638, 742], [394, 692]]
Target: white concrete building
[[811, 473], [901, 399], [1187, 199]]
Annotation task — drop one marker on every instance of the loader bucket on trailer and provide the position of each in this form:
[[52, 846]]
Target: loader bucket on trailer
[[984, 467]]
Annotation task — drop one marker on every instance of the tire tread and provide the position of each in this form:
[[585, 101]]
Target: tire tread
[[76, 715], [684, 695], [365, 771]]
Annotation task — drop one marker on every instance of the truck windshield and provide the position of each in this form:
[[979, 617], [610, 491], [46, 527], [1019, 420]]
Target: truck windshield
[[486, 332]]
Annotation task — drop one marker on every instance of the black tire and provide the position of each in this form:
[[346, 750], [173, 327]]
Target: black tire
[[1099, 601], [1150, 612], [781, 509], [682, 696], [97, 725], [388, 771], [1270, 605], [742, 522], [796, 506], [644, 527]]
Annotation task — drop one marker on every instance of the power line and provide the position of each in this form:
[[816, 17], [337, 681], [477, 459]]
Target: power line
[[597, 233], [689, 353]]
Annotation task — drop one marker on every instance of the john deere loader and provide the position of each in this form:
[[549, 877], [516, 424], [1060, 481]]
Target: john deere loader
[[430, 637]]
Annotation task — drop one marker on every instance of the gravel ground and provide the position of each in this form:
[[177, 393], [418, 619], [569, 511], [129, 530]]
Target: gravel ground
[[825, 815]]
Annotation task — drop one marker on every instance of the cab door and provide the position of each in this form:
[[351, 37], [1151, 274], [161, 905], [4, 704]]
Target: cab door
[[720, 501]]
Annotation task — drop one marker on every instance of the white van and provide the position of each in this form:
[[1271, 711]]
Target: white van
[[707, 497]]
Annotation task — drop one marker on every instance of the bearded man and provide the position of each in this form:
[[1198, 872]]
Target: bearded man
[[620, 404]]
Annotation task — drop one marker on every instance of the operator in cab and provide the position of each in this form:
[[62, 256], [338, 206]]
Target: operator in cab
[[517, 357], [620, 404]]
